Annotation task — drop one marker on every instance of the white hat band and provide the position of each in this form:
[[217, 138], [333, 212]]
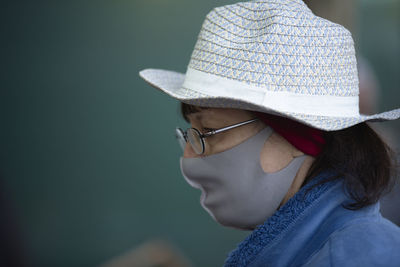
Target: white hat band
[[322, 105]]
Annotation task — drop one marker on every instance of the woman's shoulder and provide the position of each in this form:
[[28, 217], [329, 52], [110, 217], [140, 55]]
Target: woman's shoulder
[[377, 234], [362, 242]]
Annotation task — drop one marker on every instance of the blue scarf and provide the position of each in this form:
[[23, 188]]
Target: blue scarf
[[277, 224]]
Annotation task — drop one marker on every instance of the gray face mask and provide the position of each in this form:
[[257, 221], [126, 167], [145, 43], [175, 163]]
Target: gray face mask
[[236, 191]]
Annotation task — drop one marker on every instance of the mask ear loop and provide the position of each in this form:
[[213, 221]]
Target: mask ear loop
[[267, 127]]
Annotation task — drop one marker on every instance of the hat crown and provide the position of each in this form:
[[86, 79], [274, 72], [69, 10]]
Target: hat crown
[[272, 56], [280, 46]]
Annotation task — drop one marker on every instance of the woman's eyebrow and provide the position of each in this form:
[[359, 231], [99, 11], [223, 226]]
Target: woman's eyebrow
[[195, 115], [211, 122], [203, 118]]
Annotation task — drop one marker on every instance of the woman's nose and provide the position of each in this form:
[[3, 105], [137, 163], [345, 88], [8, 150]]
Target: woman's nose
[[188, 152]]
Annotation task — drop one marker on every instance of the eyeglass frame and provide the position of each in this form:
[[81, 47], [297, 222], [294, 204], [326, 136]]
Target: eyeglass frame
[[210, 133]]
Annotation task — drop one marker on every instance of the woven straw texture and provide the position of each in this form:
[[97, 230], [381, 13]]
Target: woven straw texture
[[279, 46]]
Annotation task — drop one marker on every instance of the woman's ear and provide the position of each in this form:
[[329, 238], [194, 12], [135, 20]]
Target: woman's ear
[[277, 153]]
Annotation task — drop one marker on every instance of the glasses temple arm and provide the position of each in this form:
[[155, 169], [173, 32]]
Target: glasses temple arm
[[229, 127]]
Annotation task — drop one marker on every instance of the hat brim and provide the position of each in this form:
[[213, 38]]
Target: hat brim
[[171, 82]]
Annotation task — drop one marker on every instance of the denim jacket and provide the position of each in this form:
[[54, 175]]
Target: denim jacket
[[314, 229]]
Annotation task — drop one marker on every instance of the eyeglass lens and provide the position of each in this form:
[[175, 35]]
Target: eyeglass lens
[[195, 140], [180, 136], [193, 137]]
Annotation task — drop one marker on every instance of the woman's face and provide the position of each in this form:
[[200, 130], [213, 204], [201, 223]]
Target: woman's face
[[276, 153], [233, 186]]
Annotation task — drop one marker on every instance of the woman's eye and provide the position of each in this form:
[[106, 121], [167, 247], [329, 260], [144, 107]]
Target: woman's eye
[[208, 129]]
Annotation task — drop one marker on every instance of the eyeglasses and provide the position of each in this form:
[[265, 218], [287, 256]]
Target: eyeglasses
[[196, 138]]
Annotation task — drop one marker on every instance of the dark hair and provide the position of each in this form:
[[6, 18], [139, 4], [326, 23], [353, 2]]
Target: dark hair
[[360, 157], [357, 154]]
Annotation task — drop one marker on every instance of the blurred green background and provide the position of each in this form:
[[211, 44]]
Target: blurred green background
[[89, 163]]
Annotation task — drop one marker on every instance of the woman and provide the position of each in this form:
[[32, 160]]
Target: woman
[[277, 144]]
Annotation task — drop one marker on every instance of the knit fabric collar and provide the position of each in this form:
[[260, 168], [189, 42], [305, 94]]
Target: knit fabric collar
[[279, 223]]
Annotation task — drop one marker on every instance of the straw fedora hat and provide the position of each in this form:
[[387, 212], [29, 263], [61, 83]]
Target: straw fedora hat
[[272, 56]]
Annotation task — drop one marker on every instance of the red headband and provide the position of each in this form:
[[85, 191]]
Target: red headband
[[305, 138]]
